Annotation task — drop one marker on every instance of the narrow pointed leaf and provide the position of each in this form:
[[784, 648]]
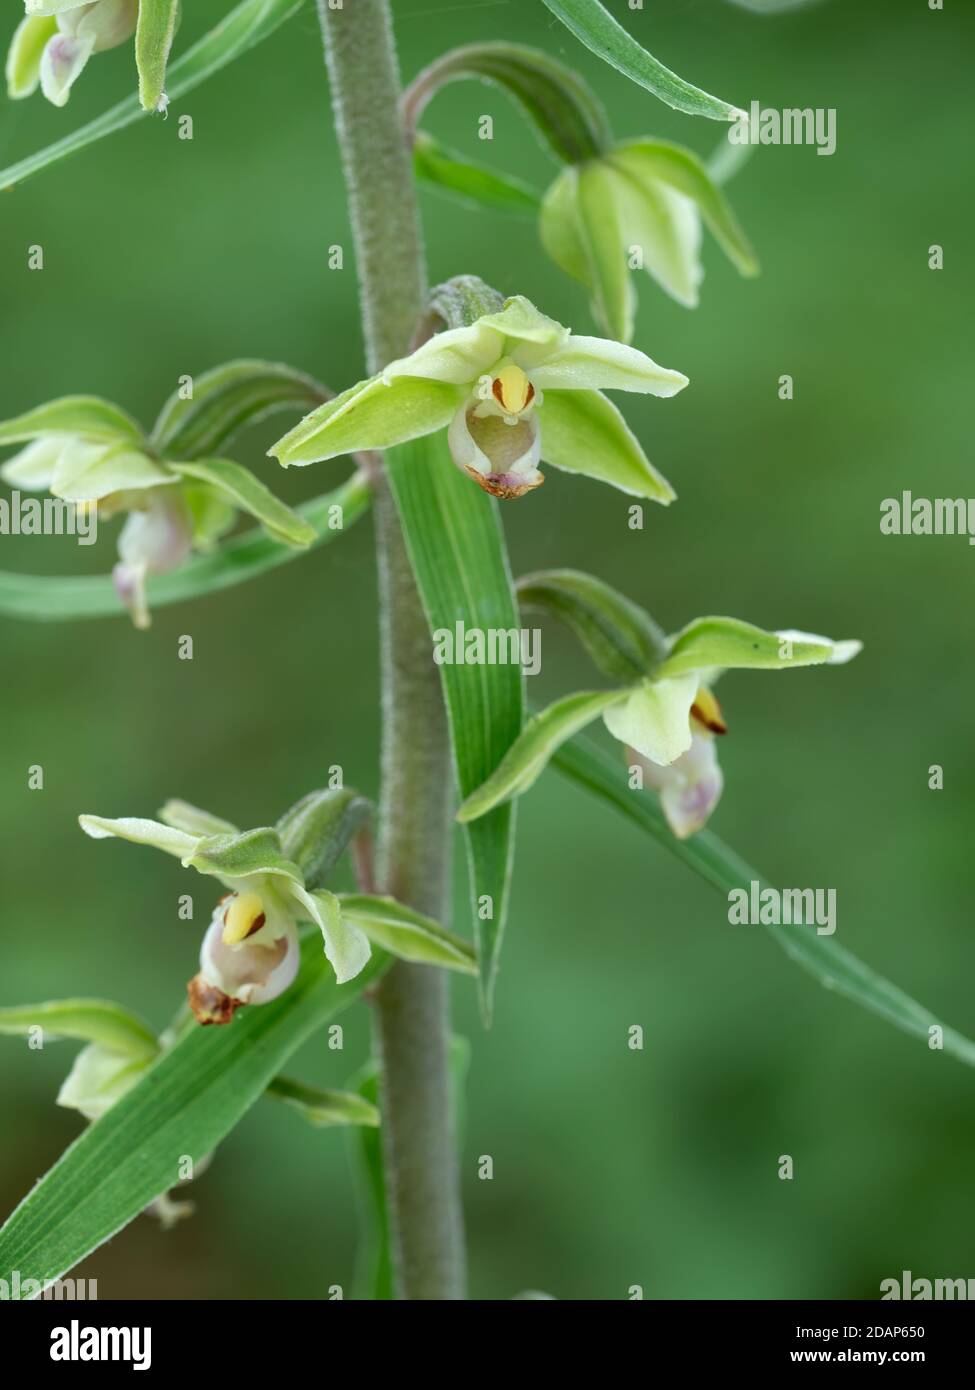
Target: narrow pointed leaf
[[43, 598], [457, 551], [446, 171], [832, 964], [227, 399], [240, 486], [594, 26], [407, 934], [153, 40], [620, 636], [529, 755], [322, 1108], [90, 1020], [184, 1106], [236, 32]]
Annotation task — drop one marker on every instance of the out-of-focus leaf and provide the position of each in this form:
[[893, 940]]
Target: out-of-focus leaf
[[186, 1103], [458, 555], [43, 598], [594, 26], [323, 1108], [248, 24], [452, 173], [832, 964]]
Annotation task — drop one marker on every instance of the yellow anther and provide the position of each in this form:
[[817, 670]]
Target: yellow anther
[[512, 389], [708, 712], [244, 915]]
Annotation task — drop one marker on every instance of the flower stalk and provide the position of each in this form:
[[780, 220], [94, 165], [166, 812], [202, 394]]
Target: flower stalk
[[413, 840]]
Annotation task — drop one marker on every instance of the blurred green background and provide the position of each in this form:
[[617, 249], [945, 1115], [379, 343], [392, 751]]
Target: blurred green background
[[612, 1167]]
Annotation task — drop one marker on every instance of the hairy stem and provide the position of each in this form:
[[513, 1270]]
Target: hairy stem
[[414, 824]]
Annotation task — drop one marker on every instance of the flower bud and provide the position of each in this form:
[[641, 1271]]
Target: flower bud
[[153, 540]]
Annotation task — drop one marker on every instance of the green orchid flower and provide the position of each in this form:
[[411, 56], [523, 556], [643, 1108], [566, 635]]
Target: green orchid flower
[[90, 452], [665, 714], [513, 389], [53, 43], [639, 205], [250, 951]]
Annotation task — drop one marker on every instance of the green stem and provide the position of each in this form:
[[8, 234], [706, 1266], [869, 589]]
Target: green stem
[[412, 1024]]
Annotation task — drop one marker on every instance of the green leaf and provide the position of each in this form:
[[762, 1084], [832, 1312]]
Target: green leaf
[[598, 30], [620, 636], [323, 1108], [225, 400], [564, 111], [240, 486], [456, 547], [529, 755], [43, 598], [87, 417], [248, 24], [730, 643], [91, 1020], [316, 831], [833, 965], [153, 40], [184, 1106], [407, 934], [374, 1261], [446, 171], [643, 161]]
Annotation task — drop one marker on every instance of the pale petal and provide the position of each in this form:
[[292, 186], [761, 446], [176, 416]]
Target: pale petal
[[457, 356], [840, 651], [656, 718], [599, 364], [98, 1079], [689, 788], [33, 468], [251, 972], [502, 458], [346, 945], [62, 63], [666, 227]]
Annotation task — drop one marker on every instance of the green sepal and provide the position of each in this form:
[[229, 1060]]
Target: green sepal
[[529, 755], [620, 636], [726, 643], [241, 856], [316, 831], [86, 417], [153, 40], [408, 934], [242, 489], [90, 1020], [446, 171], [225, 400]]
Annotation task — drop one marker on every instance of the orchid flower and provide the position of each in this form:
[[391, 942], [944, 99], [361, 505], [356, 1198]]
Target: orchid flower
[[512, 390], [668, 717], [53, 43]]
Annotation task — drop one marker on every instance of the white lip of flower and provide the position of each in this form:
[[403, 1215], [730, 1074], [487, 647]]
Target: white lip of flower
[[512, 389], [250, 951], [689, 788], [83, 28], [156, 538]]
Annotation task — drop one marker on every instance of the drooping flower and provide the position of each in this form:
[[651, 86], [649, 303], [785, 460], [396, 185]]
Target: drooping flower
[[91, 453], [53, 43], [638, 206], [250, 951], [668, 719], [512, 390]]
